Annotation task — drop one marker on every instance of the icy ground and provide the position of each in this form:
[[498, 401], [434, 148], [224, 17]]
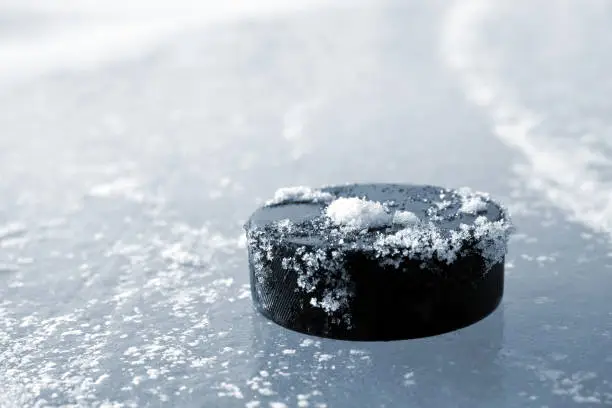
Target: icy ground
[[134, 144]]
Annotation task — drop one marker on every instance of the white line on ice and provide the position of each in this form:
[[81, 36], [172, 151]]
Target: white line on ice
[[564, 176]]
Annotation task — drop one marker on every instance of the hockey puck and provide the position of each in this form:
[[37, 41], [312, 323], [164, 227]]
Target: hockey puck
[[377, 261]]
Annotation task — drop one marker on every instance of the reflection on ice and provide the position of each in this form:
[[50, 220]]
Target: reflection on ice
[[462, 365]]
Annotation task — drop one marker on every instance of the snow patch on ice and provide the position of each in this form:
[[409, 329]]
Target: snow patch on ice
[[574, 386], [11, 229], [229, 390], [409, 379], [178, 256], [307, 343], [115, 187], [125, 187]]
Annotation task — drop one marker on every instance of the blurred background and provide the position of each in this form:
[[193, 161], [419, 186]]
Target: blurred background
[[136, 138]]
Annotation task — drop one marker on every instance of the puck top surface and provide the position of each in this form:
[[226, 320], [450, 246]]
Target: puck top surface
[[423, 222]]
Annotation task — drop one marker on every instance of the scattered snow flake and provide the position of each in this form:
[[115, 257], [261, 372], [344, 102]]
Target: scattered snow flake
[[324, 357], [409, 379], [266, 391], [153, 373], [118, 187], [307, 342], [230, 390]]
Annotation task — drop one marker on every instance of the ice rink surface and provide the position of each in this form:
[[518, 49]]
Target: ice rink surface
[[136, 138]]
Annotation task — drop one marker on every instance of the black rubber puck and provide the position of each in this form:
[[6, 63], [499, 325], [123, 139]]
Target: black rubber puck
[[377, 261]]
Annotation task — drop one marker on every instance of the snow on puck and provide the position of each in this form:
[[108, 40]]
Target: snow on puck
[[377, 261]]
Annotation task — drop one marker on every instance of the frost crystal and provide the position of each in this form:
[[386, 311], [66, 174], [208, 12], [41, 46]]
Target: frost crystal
[[424, 243], [472, 202], [430, 243], [491, 238], [324, 273], [405, 218], [299, 194], [473, 205]]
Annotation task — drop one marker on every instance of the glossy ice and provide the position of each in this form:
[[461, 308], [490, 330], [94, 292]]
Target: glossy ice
[[127, 169]]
